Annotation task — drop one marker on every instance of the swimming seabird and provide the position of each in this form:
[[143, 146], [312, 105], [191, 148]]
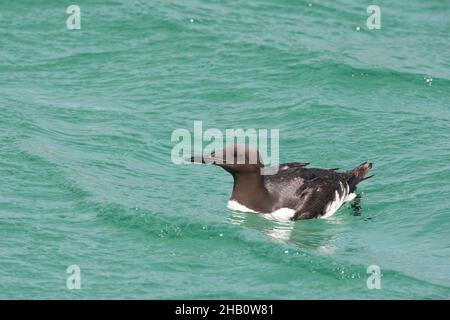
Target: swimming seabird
[[293, 192]]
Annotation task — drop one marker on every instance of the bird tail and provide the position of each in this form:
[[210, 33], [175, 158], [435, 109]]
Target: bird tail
[[358, 174]]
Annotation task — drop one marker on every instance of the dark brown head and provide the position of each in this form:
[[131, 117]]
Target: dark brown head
[[237, 158]]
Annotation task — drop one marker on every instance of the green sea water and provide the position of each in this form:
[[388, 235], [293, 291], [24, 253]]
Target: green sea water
[[86, 176]]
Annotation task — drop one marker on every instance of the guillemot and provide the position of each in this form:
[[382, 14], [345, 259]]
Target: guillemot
[[293, 192]]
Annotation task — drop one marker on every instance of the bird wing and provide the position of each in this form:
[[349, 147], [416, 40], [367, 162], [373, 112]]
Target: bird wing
[[319, 197], [284, 167]]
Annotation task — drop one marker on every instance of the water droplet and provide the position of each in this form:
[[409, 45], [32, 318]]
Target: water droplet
[[221, 235], [358, 28], [191, 20]]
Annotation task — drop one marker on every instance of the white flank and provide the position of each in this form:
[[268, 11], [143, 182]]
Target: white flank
[[350, 197], [283, 214], [338, 201]]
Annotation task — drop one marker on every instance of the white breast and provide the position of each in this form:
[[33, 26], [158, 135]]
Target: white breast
[[236, 206]]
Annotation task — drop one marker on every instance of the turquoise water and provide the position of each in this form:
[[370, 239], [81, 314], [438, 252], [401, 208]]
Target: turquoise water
[[86, 118]]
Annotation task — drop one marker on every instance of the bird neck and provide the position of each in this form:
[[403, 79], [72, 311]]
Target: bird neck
[[249, 191]]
